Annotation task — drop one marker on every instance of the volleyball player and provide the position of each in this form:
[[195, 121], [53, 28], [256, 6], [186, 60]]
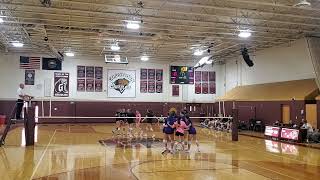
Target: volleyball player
[[149, 119], [130, 120], [180, 126], [168, 130], [192, 134], [118, 123], [138, 124]]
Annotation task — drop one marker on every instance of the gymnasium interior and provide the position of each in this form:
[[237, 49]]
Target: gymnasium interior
[[159, 89]]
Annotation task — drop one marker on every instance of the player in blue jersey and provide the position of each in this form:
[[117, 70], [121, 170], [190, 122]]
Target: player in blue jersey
[[168, 130], [192, 133]]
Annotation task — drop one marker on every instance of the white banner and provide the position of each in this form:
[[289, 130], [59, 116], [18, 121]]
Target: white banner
[[121, 83]]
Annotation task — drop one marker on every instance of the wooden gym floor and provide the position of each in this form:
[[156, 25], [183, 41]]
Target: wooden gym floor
[[87, 151]]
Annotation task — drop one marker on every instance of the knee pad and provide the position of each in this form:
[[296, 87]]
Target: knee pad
[[189, 142], [165, 141]]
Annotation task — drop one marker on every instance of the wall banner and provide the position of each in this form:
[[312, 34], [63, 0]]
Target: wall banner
[[121, 83], [29, 77], [61, 84]]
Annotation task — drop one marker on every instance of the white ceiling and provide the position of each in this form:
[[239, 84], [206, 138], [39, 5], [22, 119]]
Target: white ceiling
[[171, 29]]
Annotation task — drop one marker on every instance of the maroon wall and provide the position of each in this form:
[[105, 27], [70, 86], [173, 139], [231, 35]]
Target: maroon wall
[[267, 111], [103, 109]]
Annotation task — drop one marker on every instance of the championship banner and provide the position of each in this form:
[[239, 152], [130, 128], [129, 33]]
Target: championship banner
[[61, 84], [175, 90], [212, 76], [159, 87], [151, 87], [121, 83], [212, 87], [98, 72], [90, 72], [151, 74], [143, 86], [198, 76], [205, 76], [81, 84], [159, 75], [205, 88], [29, 77], [143, 74], [89, 85], [98, 85], [81, 71], [197, 88]]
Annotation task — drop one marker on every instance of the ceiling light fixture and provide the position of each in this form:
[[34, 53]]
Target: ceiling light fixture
[[244, 33], [144, 58], [1, 20], [198, 52], [302, 4], [133, 25], [69, 54], [115, 47], [17, 44]]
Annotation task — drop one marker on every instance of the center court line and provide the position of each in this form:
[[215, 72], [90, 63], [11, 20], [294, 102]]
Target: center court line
[[44, 152]]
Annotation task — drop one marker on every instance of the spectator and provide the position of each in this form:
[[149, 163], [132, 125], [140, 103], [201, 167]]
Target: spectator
[[309, 128]]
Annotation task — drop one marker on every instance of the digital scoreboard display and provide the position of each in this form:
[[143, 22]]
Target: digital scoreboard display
[[181, 75]]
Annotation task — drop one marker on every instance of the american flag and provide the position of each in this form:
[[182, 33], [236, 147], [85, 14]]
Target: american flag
[[29, 62]]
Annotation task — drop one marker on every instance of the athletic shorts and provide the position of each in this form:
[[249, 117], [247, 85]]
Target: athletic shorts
[[168, 131], [192, 130], [179, 134]]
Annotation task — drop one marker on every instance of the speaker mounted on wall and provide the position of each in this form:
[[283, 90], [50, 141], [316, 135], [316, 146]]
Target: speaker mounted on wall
[[246, 57]]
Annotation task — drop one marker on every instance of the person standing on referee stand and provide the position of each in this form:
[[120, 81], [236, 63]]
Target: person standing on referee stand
[[21, 96]]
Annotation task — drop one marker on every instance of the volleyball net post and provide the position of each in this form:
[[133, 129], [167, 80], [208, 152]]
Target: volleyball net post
[[235, 123]]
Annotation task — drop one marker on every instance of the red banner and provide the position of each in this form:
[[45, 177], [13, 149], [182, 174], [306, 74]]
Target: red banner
[[159, 87], [98, 85], [197, 88], [175, 90], [205, 76], [151, 86], [143, 74], [205, 88], [81, 84], [212, 87], [151, 74], [98, 72], [89, 71], [143, 86], [159, 75], [89, 85], [81, 72], [197, 76]]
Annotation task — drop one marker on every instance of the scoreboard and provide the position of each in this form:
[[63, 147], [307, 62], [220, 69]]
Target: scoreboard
[[181, 75]]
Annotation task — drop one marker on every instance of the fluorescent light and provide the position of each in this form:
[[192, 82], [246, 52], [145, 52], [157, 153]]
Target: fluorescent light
[[69, 54], [133, 25], [244, 33], [198, 53], [17, 44], [144, 58], [115, 47], [1, 20]]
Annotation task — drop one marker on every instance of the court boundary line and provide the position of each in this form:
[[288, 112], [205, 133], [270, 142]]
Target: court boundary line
[[42, 156], [232, 166]]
